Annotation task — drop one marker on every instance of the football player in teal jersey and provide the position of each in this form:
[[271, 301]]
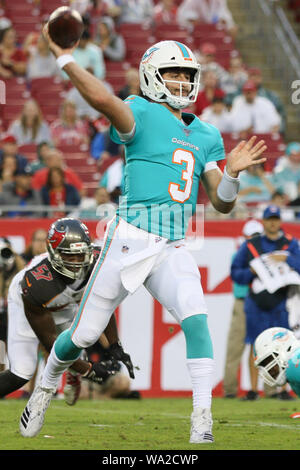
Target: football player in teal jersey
[[277, 357], [167, 154]]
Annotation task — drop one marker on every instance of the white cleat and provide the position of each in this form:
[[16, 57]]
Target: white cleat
[[201, 427], [32, 418], [72, 388]]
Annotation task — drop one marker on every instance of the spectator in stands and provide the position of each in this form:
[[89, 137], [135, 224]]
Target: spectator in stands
[[287, 170], [132, 84], [278, 199], [8, 170], [30, 127], [210, 88], [84, 110], [207, 58], [42, 150], [37, 245], [295, 203], [82, 6], [136, 11], [69, 129], [30, 43], [57, 193], [20, 193], [113, 179], [105, 8], [256, 75], [4, 22], [255, 185], [9, 148], [54, 158], [252, 114], [165, 11], [102, 147], [12, 58], [41, 62], [110, 42], [234, 80], [98, 207], [89, 56], [206, 11], [217, 113]]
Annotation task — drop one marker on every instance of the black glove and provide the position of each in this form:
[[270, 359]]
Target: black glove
[[98, 373], [116, 351]]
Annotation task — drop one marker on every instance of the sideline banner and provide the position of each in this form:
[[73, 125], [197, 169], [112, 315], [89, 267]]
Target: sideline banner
[[148, 332]]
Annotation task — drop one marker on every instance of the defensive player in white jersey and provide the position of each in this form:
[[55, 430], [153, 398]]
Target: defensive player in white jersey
[[277, 357], [42, 301], [167, 152]]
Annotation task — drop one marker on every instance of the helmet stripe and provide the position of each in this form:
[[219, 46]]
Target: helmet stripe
[[183, 50]]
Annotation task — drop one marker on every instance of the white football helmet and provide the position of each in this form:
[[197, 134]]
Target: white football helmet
[[272, 350], [166, 55]]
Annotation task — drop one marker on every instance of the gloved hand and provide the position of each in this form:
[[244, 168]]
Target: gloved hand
[[98, 373], [117, 352]]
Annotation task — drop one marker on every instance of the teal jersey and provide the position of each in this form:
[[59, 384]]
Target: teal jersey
[[164, 163], [293, 371]]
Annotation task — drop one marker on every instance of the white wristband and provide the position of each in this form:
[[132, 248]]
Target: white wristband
[[228, 188], [64, 60]]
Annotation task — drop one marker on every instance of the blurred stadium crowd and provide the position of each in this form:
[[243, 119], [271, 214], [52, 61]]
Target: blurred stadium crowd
[[56, 156]]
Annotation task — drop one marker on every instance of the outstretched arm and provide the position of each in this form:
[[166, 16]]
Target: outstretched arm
[[94, 91], [42, 323], [222, 189]]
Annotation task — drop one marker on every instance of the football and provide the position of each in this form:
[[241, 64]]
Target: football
[[65, 27]]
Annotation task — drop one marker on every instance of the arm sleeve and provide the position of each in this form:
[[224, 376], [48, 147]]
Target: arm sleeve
[[240, 271]]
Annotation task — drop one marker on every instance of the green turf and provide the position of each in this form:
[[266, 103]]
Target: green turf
[[154, 424]]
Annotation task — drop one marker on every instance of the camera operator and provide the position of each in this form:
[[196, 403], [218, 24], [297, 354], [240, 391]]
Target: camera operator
[[10, 264]]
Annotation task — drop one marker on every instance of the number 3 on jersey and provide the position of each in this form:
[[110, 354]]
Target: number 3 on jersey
[[181, 156]]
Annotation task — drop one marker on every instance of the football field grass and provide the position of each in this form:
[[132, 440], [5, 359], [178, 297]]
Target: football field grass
[[153, 424]]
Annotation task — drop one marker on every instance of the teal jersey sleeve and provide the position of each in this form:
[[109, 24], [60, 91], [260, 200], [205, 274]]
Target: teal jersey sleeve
[[293, 372], [217, 150], [138, 107]]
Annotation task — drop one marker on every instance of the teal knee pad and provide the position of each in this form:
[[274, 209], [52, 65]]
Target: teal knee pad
[[64, 347], [197, 336]]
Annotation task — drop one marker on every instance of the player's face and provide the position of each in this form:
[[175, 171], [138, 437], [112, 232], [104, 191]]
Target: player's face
[[274, 371], [272, 225], [73, 258], [173, 79]]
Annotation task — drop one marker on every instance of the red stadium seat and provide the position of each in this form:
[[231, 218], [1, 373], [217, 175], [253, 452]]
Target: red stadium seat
[[29, 150], [136, 31], [74, 150], [46, 83], [173, 34], [48, 6], [79, 161], [11, 112], [86, 175]]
